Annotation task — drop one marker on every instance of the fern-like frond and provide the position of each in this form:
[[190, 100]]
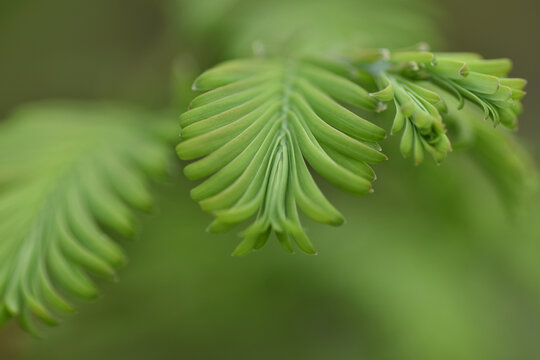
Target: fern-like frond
[[261, 120], [69, 174], [465, 92], [405, 78], [255, 130]]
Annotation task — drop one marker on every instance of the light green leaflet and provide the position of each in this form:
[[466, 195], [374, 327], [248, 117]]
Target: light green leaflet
[[261, 122], [420, 110], [70, 173], [256, 130]]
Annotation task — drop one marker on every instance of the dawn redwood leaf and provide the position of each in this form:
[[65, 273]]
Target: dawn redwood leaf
[[70, 174], [257, 128]]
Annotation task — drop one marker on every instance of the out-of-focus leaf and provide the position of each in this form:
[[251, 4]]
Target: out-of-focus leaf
[[68, 172]]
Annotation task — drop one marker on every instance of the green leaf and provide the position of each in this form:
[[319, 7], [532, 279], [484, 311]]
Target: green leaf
[[69, 175], [495, 67], [449, 68], [254, 132], [403, 77], [484, 84], [417, 112], [467, 76]]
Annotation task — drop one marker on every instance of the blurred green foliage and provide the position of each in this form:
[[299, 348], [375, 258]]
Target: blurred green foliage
[[431, 266], [238, 27], [403, 279]]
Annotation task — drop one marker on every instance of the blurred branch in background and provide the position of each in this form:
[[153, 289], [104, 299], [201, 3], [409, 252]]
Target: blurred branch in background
[[238, 28]]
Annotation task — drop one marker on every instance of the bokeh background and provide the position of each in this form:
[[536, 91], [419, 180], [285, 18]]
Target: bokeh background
[[432, 266]]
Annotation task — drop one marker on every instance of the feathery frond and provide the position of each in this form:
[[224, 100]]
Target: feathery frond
[[68, 172], [254, 129], [402, 76], [261, 119]]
